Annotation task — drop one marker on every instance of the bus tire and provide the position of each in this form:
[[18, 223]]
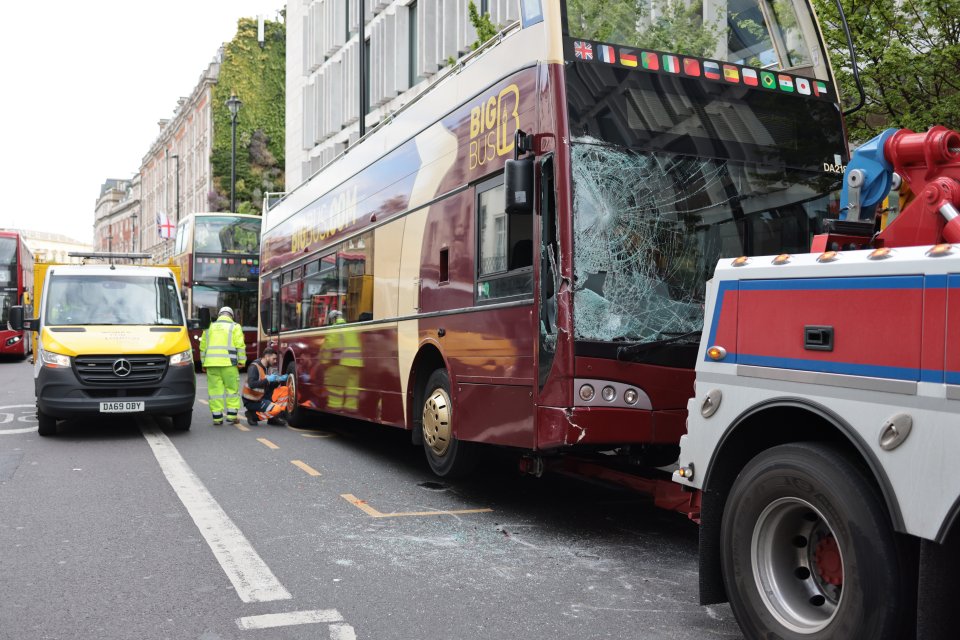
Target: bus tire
[[182, 421], [447, 456], [46, 424], [294, 414], [808, 550]]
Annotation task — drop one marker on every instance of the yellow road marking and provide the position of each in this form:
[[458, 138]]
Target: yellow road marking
[[303, 465], [242, 427], [373, 513], [267, 443], [317, 435], [312, 432], [203, 401]]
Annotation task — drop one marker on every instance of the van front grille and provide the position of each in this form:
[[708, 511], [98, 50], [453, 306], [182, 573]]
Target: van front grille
[[123, 371]]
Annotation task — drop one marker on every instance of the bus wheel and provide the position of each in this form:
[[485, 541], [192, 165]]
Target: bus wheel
[[448, 457], [294, 414], [47, 425], [808, 550]]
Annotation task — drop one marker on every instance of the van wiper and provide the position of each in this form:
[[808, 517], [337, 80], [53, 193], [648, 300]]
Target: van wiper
[[630, 352]]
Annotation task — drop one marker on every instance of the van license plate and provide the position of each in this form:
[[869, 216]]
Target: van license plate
[[121, 407]]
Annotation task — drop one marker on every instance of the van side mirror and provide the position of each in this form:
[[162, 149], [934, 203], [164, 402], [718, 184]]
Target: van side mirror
[[19, 323], [518, 185], [204, 318]]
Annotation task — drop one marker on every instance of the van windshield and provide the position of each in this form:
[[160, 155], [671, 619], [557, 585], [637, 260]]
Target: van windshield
[[115, 300]]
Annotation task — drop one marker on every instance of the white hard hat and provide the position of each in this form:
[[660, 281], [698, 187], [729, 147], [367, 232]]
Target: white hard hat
[[226, 310]]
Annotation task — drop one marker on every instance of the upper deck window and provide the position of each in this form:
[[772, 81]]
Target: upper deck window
[[770, 34], [226, 234]]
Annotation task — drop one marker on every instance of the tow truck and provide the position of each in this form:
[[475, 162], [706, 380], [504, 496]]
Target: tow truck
[[825, 428], [111, 338]]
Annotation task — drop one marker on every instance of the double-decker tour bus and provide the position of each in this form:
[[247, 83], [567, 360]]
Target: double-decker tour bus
[[519, 256], [16, 282], [219, 256]]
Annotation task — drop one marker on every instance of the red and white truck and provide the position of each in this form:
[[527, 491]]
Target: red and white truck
[[825, 427]]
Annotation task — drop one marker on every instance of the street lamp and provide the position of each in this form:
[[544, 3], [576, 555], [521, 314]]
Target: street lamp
[[233, 103], [134, 232]]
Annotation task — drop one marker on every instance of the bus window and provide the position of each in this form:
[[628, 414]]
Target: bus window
[[320, 291], [505, 265], [289, 305], [355, 262]]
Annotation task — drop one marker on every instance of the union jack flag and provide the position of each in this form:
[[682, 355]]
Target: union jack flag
[[583, 50]]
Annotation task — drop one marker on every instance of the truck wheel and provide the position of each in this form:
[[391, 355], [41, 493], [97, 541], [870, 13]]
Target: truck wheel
[[448, 457], [808, 550], [294, 414], [182, 421], [47, 425]]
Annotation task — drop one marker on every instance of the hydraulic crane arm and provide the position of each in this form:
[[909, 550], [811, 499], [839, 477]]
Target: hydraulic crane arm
[[929, 164]]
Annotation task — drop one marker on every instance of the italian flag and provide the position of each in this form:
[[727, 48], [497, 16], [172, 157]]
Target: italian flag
[[786, 84], [671, 64]]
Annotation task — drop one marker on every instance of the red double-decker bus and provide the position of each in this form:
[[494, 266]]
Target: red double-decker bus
[[16, 282], [219, 257], [530, 240]]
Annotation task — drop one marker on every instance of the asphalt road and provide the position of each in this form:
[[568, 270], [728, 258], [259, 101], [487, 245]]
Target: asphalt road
[[124, 528]]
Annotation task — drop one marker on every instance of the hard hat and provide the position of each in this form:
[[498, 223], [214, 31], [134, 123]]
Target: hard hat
[[226, 310], [333, 315]]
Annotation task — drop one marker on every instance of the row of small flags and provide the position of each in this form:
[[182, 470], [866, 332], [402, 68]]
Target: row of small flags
[[696, 68], [248, 261]]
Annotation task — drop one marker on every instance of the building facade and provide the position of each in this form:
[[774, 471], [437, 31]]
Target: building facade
[[176, 175], [407, 42], [117, 216], [53, 247]]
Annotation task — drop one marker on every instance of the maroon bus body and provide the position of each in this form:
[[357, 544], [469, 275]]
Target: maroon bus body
[[491, 354], [17, 343]]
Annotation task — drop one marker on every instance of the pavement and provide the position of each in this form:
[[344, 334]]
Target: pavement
[[125, 528]]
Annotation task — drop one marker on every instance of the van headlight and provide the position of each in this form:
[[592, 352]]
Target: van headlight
[[54, 360], [181, 359]]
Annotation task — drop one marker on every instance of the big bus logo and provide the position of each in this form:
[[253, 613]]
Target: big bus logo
[[493, 124], [332, 216]]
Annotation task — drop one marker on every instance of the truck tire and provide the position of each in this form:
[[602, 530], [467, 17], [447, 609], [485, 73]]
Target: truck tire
[[46, 425], [182, 421], [808, 550], [295, 415], [447, 456]]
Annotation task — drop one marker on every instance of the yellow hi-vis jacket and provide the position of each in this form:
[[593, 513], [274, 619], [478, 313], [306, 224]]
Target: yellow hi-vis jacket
[[222, 345]]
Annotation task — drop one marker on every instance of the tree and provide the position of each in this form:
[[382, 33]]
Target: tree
[[909, 55], [258, 77]]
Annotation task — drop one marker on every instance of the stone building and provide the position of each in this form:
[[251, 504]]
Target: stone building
[[53, 247], [176, 175], [407, 43], [117, 216]]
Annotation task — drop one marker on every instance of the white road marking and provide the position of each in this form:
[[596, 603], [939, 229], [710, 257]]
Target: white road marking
[[250, 575], [342, 631], [9, 417], [270, 620]]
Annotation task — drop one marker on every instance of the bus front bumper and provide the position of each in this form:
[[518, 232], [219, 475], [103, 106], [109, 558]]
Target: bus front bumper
[[61, 395]]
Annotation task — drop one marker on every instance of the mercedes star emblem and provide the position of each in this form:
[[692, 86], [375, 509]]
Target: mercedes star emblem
[[122, 368]]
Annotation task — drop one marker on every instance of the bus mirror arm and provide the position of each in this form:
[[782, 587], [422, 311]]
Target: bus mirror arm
[[522, 143], [19, 323]]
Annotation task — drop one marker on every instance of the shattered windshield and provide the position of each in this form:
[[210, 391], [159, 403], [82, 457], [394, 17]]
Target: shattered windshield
[[650, 227]]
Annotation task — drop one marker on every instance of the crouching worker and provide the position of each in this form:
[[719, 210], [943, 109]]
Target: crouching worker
[[264, 394]]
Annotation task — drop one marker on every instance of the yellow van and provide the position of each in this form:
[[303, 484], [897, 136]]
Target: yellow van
[[109, 339]]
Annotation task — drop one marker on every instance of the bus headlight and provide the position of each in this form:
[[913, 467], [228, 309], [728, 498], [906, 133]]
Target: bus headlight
[[182, 359], [608, 393], [586, 393], [12, 341], [54, 360]]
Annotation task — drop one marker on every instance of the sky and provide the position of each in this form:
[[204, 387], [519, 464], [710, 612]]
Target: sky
[[84, 85]]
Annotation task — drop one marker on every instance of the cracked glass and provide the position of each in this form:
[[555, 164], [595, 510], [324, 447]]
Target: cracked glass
[[650, 227]]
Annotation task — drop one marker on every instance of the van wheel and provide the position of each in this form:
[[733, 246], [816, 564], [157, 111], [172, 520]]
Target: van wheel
[[47, 425], [448, 457], [294, 414], [808, 551], [182, 421]]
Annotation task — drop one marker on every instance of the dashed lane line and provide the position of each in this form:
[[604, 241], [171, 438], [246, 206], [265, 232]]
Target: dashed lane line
[[267, 443], [307, 468], [312, 433], [242, 427], [249, 574], [373, 513], [204, 401]]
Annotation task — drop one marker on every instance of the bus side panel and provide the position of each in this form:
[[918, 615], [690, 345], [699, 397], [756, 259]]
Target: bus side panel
[[495, 414]]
